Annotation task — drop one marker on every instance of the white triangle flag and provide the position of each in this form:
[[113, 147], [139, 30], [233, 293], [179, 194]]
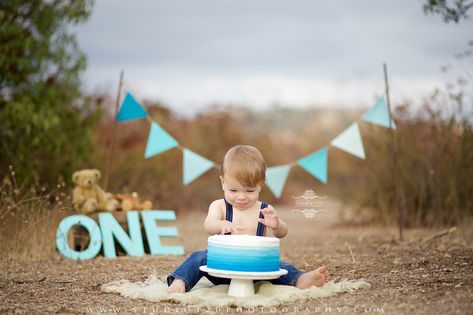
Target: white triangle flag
[[350, 141]]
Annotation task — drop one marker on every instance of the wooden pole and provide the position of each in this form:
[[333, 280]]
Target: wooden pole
[[114, 127], [393, 147]]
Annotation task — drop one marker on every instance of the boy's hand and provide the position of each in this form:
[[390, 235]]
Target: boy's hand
[[271, 218], [232, 228]]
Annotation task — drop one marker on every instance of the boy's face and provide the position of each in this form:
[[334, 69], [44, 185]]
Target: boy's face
[[239, 196]]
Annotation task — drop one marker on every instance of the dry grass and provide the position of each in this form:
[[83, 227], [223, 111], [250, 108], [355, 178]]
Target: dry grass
[[29, 218], [420, 275]]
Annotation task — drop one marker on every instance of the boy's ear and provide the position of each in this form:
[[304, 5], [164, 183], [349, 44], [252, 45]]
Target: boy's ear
[[221, 181]]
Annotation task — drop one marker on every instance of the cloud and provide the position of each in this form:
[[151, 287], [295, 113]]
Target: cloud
[[304, 53]]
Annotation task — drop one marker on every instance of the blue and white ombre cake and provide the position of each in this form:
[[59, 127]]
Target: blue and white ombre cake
[[245, 253]]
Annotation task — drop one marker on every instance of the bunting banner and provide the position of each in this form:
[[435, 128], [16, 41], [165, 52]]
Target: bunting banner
[[350, 141], [194, 165], [316, 164], [159, 141], [276, 178], [379, 114], [130, 109]]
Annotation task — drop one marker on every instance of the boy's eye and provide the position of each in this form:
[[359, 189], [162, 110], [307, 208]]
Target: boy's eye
[[250, 191], [233, 190]]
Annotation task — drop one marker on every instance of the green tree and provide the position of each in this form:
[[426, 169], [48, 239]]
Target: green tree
[[45, 121], [452, 11]]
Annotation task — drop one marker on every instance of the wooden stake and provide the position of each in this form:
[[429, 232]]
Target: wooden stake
[[114, 126], [400, 209]]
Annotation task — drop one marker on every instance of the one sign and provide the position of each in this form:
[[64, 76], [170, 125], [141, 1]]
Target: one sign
[[108, 230]]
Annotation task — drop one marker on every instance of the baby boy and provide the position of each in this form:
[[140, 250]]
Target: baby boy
[[240, 212]]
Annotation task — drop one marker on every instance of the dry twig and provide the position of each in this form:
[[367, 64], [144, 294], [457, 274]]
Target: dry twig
[[439, 234], [351, 252], [22, 281]]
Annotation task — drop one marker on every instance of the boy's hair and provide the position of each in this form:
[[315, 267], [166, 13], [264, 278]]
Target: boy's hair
[[246, 164]]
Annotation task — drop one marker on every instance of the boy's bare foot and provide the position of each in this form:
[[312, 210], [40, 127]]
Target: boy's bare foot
[[314, 278], [177, 286]]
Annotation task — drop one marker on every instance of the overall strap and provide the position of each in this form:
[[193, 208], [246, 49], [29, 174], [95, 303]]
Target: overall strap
[[261, 226], [229, 213]]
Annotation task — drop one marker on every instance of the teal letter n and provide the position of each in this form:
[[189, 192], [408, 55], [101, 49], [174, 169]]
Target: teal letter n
[[132, 244]]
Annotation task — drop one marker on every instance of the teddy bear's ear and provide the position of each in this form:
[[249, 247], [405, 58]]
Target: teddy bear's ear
[[97, 174], [75, 177]]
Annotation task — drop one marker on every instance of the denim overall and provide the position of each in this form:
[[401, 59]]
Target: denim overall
[[190, 273]]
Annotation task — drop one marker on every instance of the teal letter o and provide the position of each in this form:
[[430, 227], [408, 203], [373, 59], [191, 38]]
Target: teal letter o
[[95, 237]]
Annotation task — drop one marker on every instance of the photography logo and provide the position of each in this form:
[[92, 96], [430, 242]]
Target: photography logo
[[309, 204]]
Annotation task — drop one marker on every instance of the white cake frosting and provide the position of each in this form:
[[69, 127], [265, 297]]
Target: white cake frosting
[[244, 240]]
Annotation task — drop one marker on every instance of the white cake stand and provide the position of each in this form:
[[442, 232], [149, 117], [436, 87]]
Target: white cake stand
[[241, 284]]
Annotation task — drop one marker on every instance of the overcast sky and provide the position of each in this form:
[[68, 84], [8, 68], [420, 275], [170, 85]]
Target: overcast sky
[[190, 54]]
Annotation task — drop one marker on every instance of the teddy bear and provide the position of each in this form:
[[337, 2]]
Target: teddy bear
[[132, 202], [88, 196]]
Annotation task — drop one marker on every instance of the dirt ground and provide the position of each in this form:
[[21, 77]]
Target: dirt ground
[[416, 276]]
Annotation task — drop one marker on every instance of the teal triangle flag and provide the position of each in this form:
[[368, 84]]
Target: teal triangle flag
[[130, 109], [316, 164], [350, 141], [276, 178], [159, 141], [379, 114], [194, 166]]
